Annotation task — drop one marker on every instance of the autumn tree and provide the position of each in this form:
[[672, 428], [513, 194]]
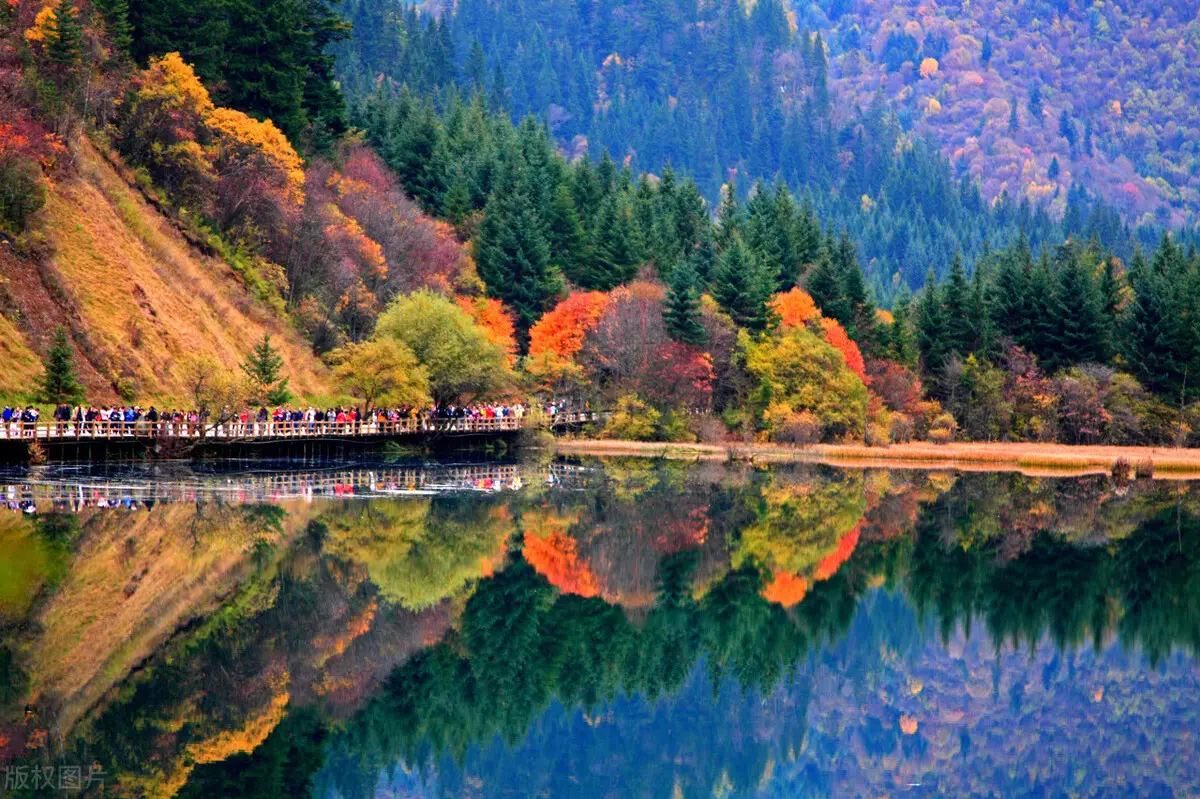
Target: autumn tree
[[382, 372], [463, 365]]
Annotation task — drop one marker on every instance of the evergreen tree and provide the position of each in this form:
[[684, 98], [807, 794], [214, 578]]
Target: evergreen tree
[[856, 302], [932, 329], [681, 311], [704, 258], [64, 39], [116, 22], [1053, 171], [825, 288], [264, 368], [902, 343], [1014, 123], [985, 56], [1150, 341], [616, 247], [1035, 105], [981, 314], [476, 67], [956, 302], [513, 255], [743, 289], [1078, 330], [59, 383], [569, 247], [729, 216]]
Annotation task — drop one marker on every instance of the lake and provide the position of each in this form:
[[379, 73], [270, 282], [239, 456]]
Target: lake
[[615, 628]]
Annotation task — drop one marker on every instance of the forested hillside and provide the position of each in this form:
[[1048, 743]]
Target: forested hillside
[[715, 92]]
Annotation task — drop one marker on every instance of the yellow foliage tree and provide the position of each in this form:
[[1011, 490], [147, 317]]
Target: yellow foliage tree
[[384, 372], [929, 67], [242, 142]]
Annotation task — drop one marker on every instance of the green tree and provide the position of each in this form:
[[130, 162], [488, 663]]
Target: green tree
[[956, 302], [743, 288], [825, 288], [64, 39], [462, 364], [382, 372], [116, 22], [263, 367], [513, 255], [681, 311], [59, 383], [933, 333]]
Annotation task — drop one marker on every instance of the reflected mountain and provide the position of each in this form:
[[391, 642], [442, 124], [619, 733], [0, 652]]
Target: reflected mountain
[[617, 628]]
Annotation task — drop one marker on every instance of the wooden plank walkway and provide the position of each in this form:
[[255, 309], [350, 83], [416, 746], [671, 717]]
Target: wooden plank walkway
[[274, 431]]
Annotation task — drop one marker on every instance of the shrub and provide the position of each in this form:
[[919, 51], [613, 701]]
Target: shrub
[[902, 429], [943, 429], [707, 429], [1121, 470], [633, 420], [803, 428], [877, 435], [22, 194], [1144, 469], [674, 427]]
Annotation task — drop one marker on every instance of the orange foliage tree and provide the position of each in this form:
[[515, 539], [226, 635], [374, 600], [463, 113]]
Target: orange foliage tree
[[794, 308], [495, 321], [557, 338], [835, 334]]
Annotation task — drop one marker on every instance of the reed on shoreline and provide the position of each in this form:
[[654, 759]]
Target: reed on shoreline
[[1042, 459]]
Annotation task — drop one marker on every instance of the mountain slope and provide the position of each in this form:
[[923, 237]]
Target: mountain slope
[[138, 299], [1106, 89]]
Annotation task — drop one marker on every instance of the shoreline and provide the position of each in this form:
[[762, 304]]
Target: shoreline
[[1034, 460]]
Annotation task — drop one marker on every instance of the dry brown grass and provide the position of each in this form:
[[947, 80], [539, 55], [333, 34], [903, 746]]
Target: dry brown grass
[[145, 299], [1033, 459], [19, 365]]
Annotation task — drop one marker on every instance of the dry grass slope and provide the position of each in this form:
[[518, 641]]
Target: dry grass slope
[[138, 298]]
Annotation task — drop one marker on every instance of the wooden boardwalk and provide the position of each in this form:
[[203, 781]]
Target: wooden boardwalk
[[259, 432]]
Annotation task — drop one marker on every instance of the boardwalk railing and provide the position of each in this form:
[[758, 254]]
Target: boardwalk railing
[[272, 431]]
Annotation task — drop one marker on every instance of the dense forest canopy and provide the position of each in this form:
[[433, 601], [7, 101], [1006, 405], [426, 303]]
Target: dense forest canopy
[[716, 91]]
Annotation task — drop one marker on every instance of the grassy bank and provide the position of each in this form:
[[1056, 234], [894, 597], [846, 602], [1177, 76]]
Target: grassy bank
[[1031, 459]]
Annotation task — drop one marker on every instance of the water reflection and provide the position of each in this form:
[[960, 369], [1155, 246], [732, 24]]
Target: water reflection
[[627, 628]]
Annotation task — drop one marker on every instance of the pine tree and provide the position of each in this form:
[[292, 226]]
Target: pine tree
[[981, 312], [681, 311], [932, 332], [116, 22], [64, 40], [859, 308], [985, 57], [264, 368], [499, 99], [902, 344], [1078, 331], [59, 383], [956, 302], [743, 289], [476, 67], [1035, 105], [568, 241], [513, 255], [704, 258], [825, 288], [1014, 123], [1054, 169], [729, 216], [1149, 339]]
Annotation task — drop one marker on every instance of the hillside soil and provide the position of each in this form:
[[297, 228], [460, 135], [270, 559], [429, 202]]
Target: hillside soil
[[137, 298]]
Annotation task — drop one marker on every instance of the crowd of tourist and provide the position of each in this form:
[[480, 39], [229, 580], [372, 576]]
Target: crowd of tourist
[[90, 420]]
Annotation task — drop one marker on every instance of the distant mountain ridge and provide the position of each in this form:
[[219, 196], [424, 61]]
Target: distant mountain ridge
[[1104, 93], [828, 98]]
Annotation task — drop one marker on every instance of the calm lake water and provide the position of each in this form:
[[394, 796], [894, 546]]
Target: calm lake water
[[619, 628]]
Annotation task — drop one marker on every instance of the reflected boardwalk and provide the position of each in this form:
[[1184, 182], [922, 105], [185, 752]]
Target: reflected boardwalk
[[46, 490]]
